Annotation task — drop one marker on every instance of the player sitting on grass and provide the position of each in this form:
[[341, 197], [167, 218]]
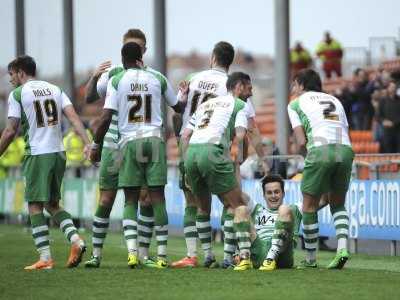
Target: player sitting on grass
[[276, 227], [38, 107], [274, 230]]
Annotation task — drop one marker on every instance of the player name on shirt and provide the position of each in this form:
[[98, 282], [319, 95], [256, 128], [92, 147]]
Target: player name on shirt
[[208, 86], [42, 92], [139, 87]]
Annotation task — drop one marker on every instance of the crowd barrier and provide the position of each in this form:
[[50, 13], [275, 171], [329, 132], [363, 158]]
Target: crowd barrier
[[373, 205]]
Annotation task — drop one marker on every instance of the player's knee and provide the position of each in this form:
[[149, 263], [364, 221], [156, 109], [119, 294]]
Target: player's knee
[[51, 207], [285, 212], [107, 198], [241, 213]]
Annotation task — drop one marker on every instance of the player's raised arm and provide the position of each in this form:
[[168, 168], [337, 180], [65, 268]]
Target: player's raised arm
[[178, 104], [98, 76]]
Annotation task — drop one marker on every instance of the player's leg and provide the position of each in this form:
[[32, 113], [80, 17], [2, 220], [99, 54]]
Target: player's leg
[[230, 241], [40, 234], [316, 181], [129, 224], [337, 197], [156, 179], [203, 225], [145, 224], [190, 232], [108, 183], [101, 222], [241, 225], [36, 194], [200, 190], [131, 178]]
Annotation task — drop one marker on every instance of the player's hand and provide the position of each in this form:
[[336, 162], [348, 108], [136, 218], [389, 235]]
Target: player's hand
[[103, 67], [264, 168], [86, 151], [184, 90], [94, 155], [184, 87]]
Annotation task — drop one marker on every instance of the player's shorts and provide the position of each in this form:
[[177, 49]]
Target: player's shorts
[[259, 249], [209, 170], [43, 176], [109, 167], [327, 169], [144, 163]]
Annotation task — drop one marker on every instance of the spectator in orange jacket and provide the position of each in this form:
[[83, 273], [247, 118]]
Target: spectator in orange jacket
[[300, 58], [330, 52]]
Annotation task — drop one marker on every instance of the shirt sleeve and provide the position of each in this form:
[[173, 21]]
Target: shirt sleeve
[[293, 117], [65, 101], [251, 113], [111, 101], [169, 95], [14, 108], [102, 85], [241, 119]]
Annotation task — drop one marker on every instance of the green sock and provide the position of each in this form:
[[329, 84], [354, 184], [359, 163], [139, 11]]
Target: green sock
[[203, 226], [129, 224], [64, 219], [100, 225], [40, 234], [230, 242], [190, 231], [145, 229], [341, 222], [280, 238], [161, 228], [242, 230], [310, 232]]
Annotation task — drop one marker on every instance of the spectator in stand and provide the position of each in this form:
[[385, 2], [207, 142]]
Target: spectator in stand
[[344, 94], [330, 52], [389, 115], [377, 127], [300, 58], [362, 109]]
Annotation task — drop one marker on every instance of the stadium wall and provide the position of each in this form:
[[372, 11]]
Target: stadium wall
[[373, 205]]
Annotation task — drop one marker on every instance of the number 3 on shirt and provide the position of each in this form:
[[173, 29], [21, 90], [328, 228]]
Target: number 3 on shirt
[[137, 100]]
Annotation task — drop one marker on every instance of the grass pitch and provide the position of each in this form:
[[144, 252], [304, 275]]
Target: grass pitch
[[365, 277]]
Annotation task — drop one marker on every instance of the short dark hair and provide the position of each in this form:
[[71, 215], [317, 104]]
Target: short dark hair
[[131, 52], [309, 79], [236, 77], [224, 54], [134, 33], [24, 63], [273, 178]]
